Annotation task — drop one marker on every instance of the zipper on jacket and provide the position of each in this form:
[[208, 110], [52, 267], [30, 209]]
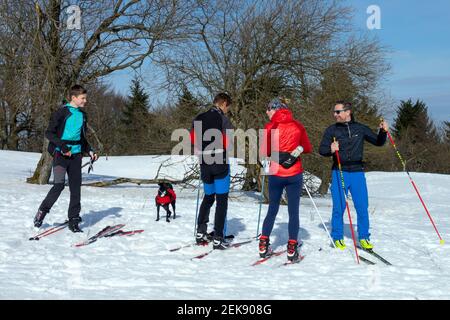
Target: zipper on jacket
[[348, 129], [82, 127], [64, 123]]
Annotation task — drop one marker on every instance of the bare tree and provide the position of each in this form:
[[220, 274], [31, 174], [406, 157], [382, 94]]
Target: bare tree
[[113, 35], [256, 51], [15, 49]]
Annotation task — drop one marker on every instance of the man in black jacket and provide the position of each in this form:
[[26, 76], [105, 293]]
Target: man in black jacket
[[350, 136], [210, 141], [66, 133]]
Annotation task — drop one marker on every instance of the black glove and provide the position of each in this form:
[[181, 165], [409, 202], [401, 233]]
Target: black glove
[[65, 148]]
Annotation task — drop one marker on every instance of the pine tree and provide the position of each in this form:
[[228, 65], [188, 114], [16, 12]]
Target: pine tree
[[417, 136], [135, 121], [412, 122], [137, 104], [186, 108]]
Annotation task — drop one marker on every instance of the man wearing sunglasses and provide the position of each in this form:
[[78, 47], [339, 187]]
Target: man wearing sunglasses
[[347, 137]]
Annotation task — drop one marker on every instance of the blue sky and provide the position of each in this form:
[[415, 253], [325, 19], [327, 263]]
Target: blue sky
[[418, 36]]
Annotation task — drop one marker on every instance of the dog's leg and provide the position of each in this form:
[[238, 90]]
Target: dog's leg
[[168, 213], [173, 207], [157, 211]]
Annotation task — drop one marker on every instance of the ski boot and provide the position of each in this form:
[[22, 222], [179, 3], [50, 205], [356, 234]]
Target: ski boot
[[264, 246], [201, 239], [73, 224], [292, 250], [365, 244], [210, 236], [219, 243], [340, 244], [39, 218]]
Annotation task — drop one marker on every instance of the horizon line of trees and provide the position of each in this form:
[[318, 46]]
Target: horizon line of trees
[[307, 51], [130, 125]]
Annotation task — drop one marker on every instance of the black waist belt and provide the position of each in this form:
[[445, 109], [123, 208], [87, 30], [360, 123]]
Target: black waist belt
[[285, 159], [351, 163], [72, 142], [279, 156]]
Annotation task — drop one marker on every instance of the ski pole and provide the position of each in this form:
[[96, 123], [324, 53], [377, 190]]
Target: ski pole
[[260, 203], [441, 241], [225, 228], [317, 210], [87, 163], [91, 165], [346, 202], [196, 209]]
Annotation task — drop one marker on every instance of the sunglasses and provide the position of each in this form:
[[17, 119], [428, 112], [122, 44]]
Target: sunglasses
[[339, 111]]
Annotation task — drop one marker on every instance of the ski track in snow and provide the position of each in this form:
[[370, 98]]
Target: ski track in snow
[[141, 266]]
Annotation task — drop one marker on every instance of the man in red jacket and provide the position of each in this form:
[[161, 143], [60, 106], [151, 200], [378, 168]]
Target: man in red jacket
[[284, 140]]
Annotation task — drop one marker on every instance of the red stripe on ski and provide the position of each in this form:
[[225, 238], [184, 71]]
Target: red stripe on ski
[[101, 234], [123, 233], [273, 254], [203, 255], [300, 258], [232, 245], [50, 231]]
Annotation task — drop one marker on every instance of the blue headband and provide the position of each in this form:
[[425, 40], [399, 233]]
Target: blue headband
[[276, 104]]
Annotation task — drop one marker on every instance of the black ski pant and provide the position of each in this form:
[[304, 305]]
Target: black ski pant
[[220, 216], [61, 166], [216, 184]]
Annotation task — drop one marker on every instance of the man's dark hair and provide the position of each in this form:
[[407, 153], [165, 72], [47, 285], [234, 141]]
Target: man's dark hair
[[347, 105], [76, 90], [223, 97]]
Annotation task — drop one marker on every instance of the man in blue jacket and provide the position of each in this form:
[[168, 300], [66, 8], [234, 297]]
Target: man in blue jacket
[[350, 136], [66, 133]]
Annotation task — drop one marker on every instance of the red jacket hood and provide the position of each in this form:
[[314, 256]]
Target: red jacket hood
[[282, 116]]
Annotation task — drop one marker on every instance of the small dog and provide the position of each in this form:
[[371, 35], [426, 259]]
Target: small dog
[[166, 195]]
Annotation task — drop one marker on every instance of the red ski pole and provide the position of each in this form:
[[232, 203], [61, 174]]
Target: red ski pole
[[346, 203], [441, 241]]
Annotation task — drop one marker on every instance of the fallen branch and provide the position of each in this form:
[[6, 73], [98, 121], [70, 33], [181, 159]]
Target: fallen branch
[[130, 180]]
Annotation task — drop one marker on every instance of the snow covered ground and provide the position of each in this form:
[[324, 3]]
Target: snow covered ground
[[141, 266]]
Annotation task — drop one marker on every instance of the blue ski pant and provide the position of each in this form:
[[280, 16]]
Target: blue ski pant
[[293, 186], [355, 182]]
